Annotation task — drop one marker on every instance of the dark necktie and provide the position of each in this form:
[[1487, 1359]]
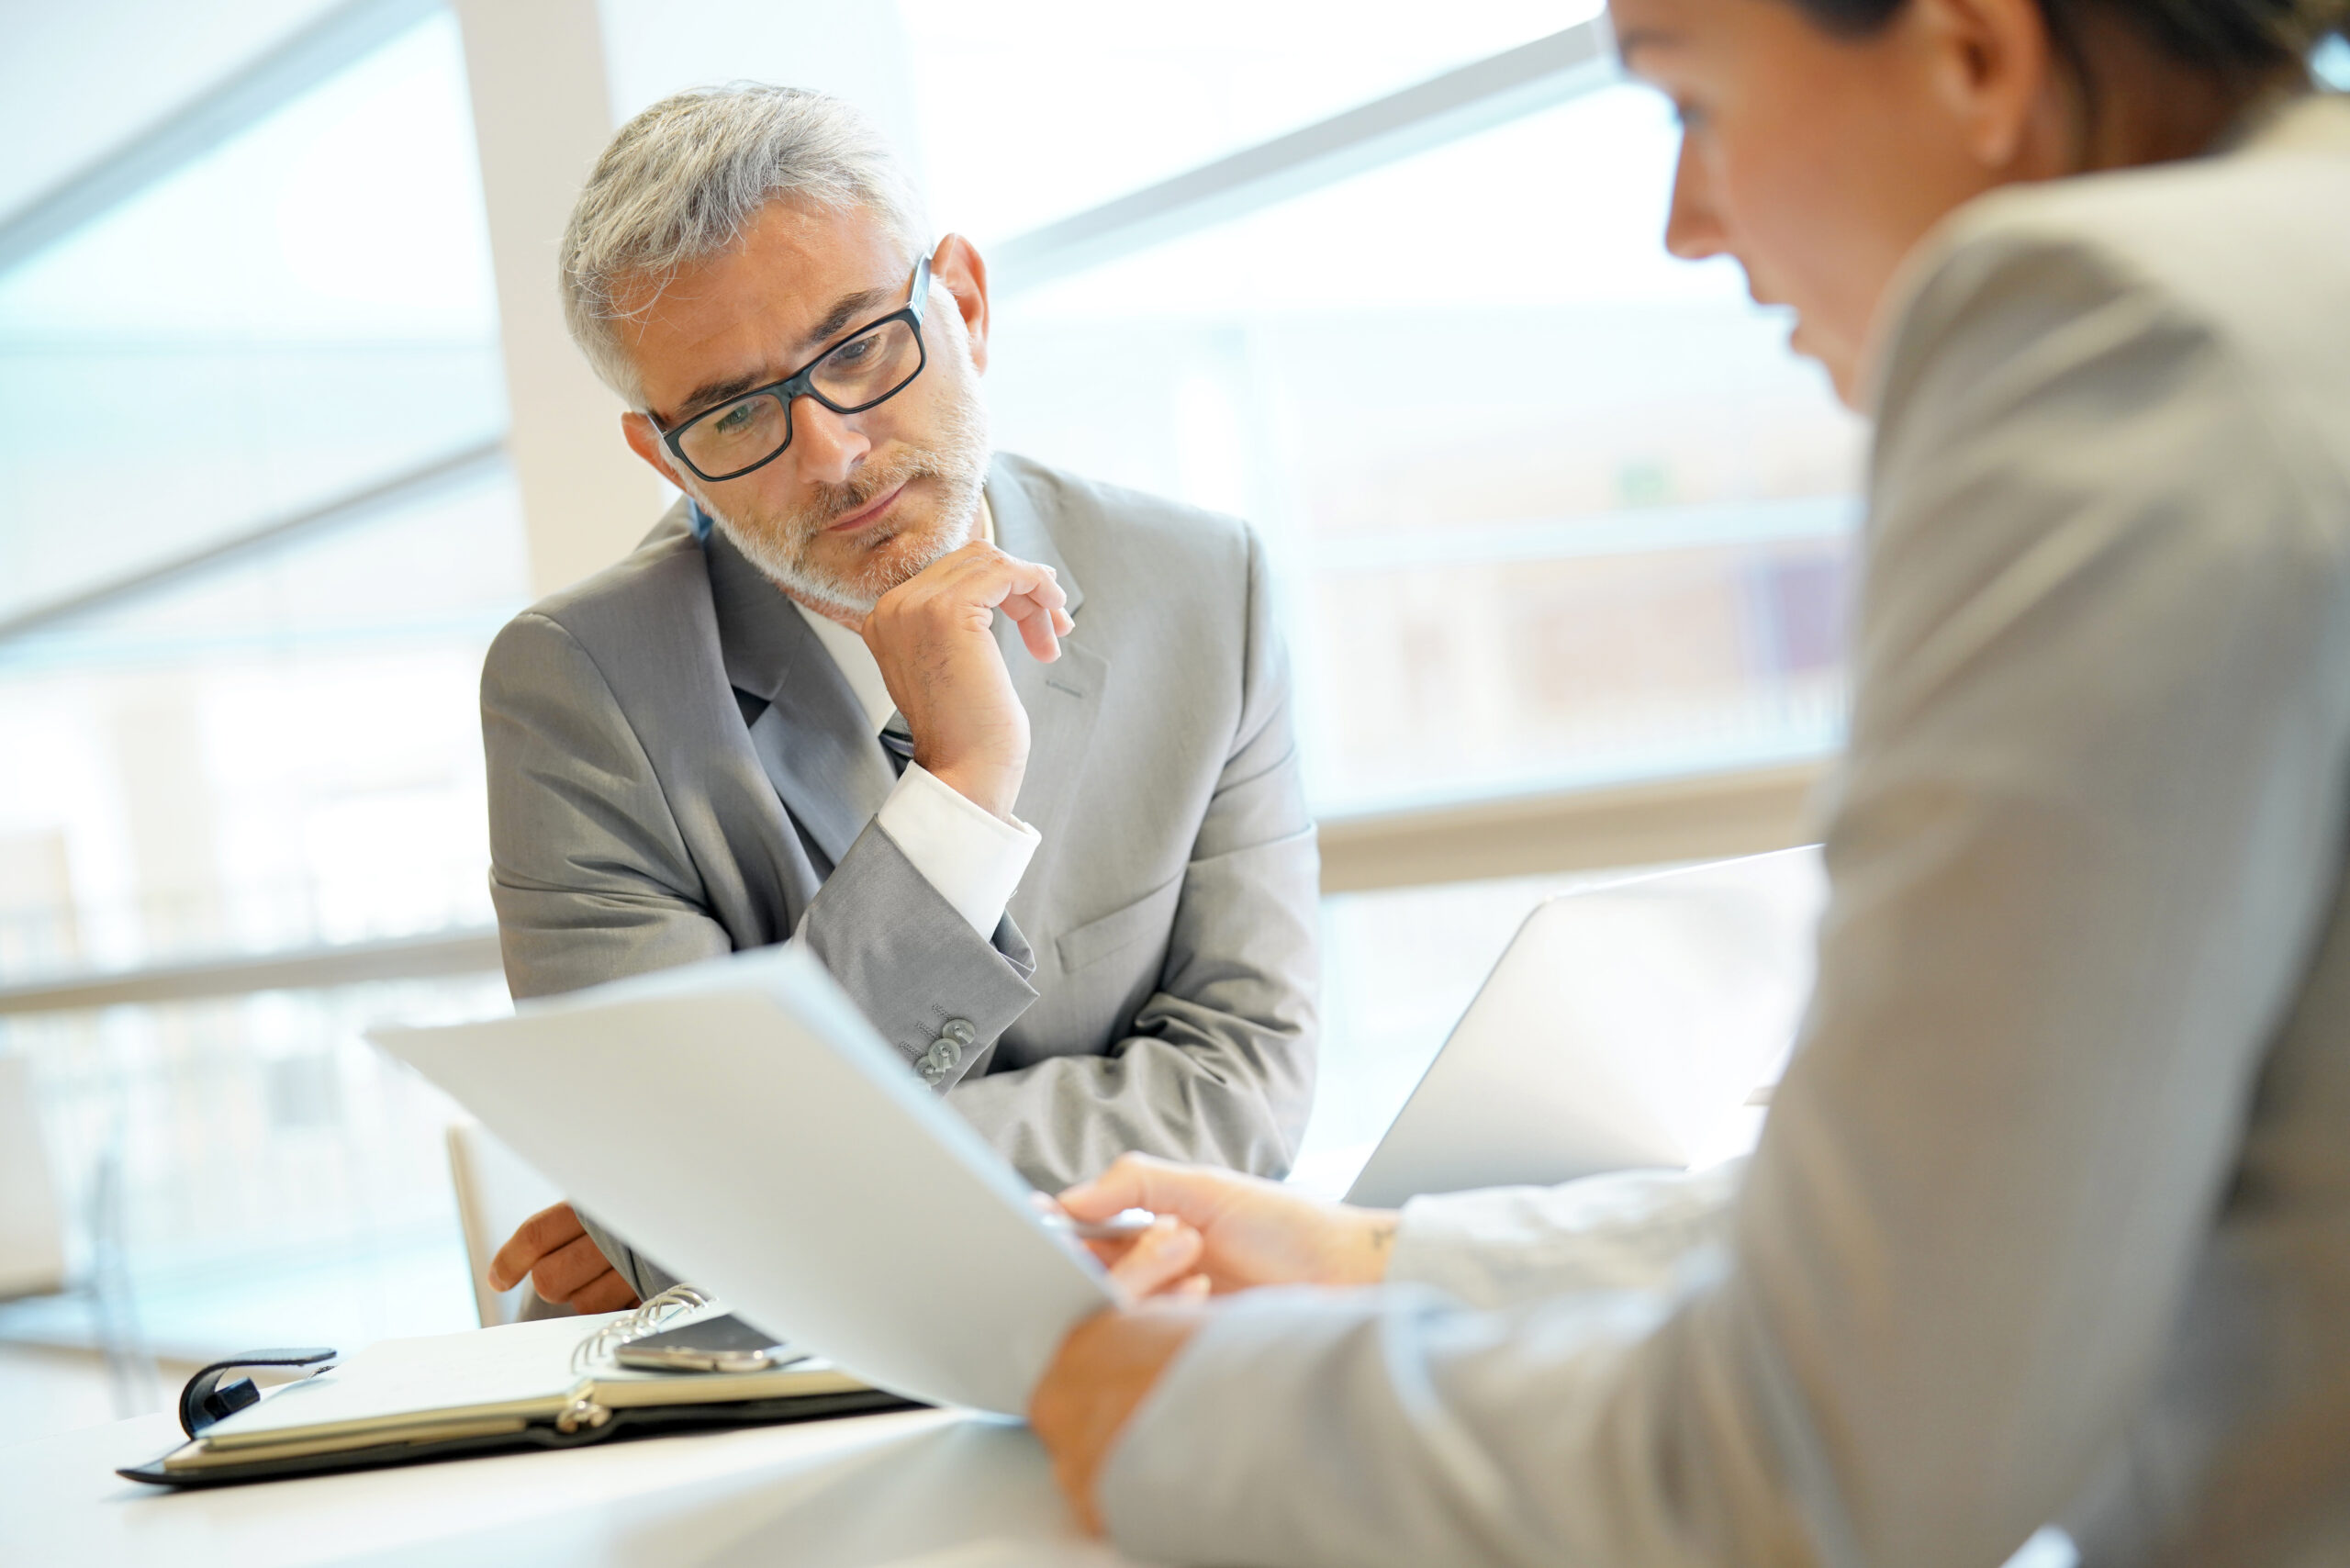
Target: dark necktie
[[898, 742]]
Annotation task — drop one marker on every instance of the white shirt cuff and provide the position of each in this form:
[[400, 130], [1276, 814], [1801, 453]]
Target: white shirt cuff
[[972, 856]]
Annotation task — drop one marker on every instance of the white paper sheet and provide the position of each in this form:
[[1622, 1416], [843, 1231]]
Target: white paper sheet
[[741, 1122]]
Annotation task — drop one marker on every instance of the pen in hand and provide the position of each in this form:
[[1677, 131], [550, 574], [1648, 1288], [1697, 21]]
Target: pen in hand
[[1124, 1226]]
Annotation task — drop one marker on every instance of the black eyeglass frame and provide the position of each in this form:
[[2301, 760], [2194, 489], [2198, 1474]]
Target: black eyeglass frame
[[801, 383]]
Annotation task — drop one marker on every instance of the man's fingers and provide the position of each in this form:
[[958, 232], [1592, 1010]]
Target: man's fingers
[[981, 573], [980, 577], [606, 1292], [1032, 595], [1039, 625], [560, 1274], [1163, 1255], [543, 1232]]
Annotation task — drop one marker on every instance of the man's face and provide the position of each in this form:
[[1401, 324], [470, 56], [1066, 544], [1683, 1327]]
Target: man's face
[[857, 503]]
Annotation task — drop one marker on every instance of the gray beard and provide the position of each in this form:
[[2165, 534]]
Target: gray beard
[[790, 572], [959, 464]]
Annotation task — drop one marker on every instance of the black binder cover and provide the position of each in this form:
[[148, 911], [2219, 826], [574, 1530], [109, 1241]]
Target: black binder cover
[[648, 1421]]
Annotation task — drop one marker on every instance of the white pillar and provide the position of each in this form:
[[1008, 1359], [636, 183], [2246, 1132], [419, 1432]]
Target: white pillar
[[542, 114], [550, 79]]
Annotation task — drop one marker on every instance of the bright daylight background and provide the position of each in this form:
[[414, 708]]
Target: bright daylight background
[[1550, 511]]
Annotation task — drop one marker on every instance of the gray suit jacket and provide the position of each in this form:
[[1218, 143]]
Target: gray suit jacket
[[677, 770], [2052, 1216]]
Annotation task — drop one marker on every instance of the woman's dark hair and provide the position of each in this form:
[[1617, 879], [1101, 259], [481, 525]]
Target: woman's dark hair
[[2241, 41]]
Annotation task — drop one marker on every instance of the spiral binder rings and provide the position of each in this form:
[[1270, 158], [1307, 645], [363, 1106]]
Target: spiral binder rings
[[671, 1306], [551, 1383]]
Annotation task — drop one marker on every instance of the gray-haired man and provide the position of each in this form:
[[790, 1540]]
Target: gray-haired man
[[1010, 751]]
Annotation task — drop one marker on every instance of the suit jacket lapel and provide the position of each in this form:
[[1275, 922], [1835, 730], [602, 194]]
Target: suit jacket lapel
[[1063, 697], [812, 737]]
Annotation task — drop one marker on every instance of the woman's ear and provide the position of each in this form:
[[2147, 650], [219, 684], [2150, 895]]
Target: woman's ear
[[1990, 64]]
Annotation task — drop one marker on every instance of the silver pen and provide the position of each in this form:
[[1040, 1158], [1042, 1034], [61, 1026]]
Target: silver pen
[[1124, 1226]]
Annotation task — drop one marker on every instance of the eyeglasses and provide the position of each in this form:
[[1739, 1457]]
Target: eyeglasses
[[871, 365]]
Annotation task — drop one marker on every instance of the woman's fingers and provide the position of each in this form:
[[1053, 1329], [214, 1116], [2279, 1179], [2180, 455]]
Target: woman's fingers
[[1164, 1256], [1191, 1193]]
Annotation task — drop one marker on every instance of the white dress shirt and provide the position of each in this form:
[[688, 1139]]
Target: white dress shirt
[[972, 856]]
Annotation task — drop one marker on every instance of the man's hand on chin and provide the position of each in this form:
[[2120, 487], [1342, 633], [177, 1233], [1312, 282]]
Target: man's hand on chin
[[932, 636], [1104, 1370], [554, 1252]]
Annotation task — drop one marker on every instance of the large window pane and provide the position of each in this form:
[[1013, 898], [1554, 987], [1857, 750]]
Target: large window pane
[[269, 1177], [280, 750], [304, 310], [275, 755], [1033, 109], [1550, 507], [272, 756]]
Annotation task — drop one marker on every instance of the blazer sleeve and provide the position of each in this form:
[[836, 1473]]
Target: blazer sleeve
[[925, 981], [592, 879], [2088, 835], [1218, 1067], [588, 871]]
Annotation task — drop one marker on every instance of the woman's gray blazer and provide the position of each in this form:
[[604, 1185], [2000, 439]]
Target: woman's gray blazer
[[2050, 1221]]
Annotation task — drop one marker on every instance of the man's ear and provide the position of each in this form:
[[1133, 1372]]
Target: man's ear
[[957, 264], [1991, 66], [645, 441]]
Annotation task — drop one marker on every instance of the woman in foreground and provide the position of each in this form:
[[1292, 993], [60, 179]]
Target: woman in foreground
[[2051, 1218]]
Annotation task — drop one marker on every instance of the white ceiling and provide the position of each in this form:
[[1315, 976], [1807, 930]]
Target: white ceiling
[[78, 78]]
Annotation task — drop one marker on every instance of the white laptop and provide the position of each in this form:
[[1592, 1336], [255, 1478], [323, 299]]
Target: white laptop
[[1635, 1024]]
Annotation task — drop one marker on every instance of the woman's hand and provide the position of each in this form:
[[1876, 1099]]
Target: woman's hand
[[1102, 1370], [1215, 1231], [1250, 1232]]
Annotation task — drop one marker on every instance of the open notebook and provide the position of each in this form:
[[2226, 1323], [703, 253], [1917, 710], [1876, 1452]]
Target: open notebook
[[523, 1385]]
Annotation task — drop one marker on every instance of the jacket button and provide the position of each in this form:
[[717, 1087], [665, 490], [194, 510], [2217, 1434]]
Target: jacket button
[[940, 1061], [958, 1030]]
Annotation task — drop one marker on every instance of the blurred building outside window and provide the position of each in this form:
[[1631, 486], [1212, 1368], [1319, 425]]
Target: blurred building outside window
[[1550, 509]]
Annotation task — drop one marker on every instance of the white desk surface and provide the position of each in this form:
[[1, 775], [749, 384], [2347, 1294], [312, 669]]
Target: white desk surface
[[908, 1489]]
